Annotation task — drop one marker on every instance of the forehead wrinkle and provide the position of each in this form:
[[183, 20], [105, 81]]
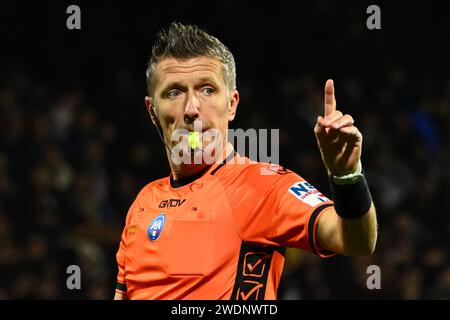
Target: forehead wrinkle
[[189, 69], [212, 70]]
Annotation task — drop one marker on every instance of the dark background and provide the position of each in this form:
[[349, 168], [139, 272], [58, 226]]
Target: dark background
[[76, 143]]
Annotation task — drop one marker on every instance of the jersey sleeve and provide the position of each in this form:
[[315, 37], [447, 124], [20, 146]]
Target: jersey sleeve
[[121, 286], [280, 209]]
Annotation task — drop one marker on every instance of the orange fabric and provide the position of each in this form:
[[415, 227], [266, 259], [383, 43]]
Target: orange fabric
[[197, 252]]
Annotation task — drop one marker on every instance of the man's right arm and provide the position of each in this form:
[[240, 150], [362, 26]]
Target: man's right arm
[[121, 290]]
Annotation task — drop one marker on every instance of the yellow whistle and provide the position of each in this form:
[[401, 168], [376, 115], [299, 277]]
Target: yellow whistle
[[194, 139]]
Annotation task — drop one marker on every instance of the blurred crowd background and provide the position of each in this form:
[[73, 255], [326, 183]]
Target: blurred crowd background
[[76, 142]]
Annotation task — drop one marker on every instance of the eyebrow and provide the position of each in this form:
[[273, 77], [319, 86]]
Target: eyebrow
[[178, 84], [171, 85]]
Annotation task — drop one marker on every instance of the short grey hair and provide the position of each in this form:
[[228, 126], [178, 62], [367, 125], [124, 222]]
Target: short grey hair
[[185, 42]]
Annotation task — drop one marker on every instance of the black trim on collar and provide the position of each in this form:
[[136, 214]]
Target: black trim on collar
[[228, 159], [186, 180]]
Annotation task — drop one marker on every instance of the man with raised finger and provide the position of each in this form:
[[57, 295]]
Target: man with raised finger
[[218, 228]]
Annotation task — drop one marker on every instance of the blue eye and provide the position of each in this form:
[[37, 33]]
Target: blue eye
[[173, 93], [208, 91]]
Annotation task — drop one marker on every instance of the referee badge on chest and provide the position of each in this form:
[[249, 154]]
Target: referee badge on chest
[[155, 228]]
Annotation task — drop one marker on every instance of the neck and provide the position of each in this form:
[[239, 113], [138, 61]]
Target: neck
[[180, 171]]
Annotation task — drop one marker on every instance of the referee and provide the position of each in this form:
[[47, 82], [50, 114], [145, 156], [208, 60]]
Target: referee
[[217, 226]]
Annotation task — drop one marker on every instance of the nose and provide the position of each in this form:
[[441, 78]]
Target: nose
[[191, 109]]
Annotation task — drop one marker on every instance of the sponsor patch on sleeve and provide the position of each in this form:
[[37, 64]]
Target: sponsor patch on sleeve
[[305, 192]]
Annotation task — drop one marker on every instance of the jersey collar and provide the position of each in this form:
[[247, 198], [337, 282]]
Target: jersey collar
[[211, 168]]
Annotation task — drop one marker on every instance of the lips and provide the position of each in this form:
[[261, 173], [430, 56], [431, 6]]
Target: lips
[[193, 129]]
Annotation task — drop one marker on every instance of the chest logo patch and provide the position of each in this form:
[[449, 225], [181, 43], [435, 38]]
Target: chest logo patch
[[155, 228]]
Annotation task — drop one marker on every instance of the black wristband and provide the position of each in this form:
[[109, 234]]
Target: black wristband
[[351, 201]]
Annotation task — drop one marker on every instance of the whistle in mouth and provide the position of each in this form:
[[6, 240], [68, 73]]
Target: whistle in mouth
[[194, 139]]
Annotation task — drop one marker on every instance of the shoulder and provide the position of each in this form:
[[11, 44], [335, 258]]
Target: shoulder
[[261, 176], [152, 188]]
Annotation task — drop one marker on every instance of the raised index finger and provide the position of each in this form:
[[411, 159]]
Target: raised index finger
[[330, 101]]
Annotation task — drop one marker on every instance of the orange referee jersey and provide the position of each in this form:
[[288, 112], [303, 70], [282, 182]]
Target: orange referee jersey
[[220, 236]]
